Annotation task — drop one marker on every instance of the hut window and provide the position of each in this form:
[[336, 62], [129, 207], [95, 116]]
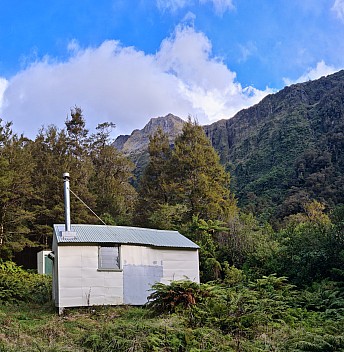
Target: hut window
[[109, 258]]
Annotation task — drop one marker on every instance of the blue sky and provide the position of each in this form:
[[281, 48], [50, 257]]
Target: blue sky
[[126, 61]]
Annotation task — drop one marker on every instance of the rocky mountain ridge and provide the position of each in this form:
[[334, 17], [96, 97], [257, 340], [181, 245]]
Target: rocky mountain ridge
[[138, 141]]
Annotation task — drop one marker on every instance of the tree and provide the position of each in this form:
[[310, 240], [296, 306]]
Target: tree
[[311, 246], [197, 179], [189, 175], [49, 150], [110, 183], [55, 152], [80, 164], [76, 133], [16, 190], [153, 188], [99, 176]]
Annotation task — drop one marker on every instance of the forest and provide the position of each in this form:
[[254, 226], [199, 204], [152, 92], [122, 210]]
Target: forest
[[265, 286], [287, 149]]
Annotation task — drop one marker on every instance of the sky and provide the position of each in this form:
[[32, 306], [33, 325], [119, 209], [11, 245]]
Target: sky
[[126, 61]]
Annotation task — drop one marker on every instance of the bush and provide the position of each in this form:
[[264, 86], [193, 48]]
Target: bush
[[166, 298], [18, 285]]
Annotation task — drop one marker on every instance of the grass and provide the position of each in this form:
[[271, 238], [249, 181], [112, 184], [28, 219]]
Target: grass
[[34, 328], [29, 327], [38, 328], [214, 326]]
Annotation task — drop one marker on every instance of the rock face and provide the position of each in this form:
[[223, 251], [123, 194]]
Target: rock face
[[138, 141], [120, 141], [135, 146]]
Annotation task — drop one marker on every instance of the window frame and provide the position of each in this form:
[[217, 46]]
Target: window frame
[[100, 262]]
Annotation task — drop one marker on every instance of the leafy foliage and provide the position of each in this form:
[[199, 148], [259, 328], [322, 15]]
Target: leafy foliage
[[265, 314], [31, 196], [17, 285], [197, 178], [189, 175], [109, 182], [311, 247], [16, 190], [184, 294]]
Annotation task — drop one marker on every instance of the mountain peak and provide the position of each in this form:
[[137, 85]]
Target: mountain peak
[[138, 141]]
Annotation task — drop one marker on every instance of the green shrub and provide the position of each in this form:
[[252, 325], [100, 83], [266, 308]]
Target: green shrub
[[150, 335], [18, 285], [166, 298]]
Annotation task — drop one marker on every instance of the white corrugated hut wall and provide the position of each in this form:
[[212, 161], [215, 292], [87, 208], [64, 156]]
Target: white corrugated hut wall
[[79, 282], [55, 288]]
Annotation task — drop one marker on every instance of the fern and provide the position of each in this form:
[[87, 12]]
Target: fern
[[166, 298]]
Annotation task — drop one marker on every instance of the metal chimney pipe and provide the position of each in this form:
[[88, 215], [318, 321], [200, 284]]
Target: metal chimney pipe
[[66, 200]]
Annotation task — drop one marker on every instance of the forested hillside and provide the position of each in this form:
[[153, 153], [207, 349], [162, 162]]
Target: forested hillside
[[287, 149]]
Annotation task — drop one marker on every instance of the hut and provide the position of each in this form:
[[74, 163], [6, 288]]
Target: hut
[[115, 265]]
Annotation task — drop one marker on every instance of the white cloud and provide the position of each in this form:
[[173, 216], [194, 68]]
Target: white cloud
[[3, 86], [338, 8], [127, 87], [206, 82], [321, 69], [220, 6], [189, 19]]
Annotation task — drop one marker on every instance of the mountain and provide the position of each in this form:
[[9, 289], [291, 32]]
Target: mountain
[[281, 152], [135, 146], [287, 149]]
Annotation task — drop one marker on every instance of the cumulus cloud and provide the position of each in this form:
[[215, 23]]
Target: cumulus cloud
[[321, 69], [338, 8], [126, 86], [206, 82]]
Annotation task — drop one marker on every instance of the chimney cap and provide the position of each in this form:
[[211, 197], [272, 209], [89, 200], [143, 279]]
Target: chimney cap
[[66, 175]]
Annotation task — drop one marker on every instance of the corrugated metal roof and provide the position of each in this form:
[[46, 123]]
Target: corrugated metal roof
[[123, 235]]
